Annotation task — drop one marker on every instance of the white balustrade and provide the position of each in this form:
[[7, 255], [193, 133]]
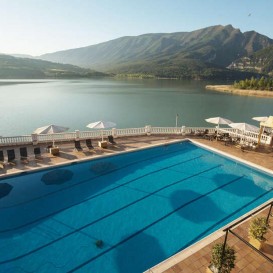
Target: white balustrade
[[131, 131], [247, 135], [58, 137], [14, 140], [166, 130], [147, 130], [90, 134], [190, 130]]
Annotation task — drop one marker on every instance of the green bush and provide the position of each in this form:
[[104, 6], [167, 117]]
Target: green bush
[[255, 84], [228, 262], [258, 228]]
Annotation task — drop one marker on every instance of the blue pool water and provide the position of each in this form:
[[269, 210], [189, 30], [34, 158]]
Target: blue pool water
[[144, 206]]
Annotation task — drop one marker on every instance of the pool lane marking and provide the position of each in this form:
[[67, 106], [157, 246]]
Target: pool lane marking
[[112, 213], [223, 219], [150, 225], [95, 177], [96, 195]]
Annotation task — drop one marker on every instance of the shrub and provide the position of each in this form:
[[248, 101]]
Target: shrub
[[228, 262], [258, 228]]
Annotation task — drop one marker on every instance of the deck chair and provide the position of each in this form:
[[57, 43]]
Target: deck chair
[[78, 146], [2, 164], [11, 157], [111, 139], [23, 154], [89, 144], [37, 153]]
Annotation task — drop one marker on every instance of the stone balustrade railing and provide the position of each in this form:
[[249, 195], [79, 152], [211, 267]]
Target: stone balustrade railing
[[147, 130], [246, 135]]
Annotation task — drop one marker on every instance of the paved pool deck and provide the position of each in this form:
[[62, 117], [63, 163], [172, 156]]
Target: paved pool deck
[[196, 258]]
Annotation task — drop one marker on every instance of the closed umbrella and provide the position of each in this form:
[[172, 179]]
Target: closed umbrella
[[50, 130], [101, 125]]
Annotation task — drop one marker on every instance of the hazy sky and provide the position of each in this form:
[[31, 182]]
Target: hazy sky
[[41, 26]]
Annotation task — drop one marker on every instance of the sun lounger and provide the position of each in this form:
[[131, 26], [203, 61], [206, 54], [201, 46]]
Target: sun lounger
[[78, 145], [227, 140], [23, 154], [210, 136], [89, 144], [111, 140], [11, 157]]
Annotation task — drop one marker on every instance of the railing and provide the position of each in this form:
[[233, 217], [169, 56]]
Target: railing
[[165, 130], [15, 139], [130, 132], [246, 135], [147, 130], [190, 130], [59, 137], [243, 219], [94, 134]]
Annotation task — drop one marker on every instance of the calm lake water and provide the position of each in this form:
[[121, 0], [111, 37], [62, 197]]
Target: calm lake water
[[26, 105]]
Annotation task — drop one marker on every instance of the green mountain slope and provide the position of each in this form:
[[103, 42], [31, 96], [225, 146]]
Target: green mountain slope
[[204, 50], [260, 61], [24, 68]]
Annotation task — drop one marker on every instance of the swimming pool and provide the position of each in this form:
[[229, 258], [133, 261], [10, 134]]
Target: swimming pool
[[122, 213]]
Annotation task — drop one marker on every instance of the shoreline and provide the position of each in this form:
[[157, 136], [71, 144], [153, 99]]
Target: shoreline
[[241, 92]]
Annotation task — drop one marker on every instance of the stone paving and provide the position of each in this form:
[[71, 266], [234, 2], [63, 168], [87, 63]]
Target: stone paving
[[247, 261]]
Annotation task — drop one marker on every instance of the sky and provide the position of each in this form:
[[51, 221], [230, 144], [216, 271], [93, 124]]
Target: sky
[[37, 27]]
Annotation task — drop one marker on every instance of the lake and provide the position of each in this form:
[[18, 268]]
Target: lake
[[28, 104]]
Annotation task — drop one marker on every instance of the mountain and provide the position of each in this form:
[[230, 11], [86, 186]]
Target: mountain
[[203, 53], [24, 68], [22, 56], [260, 61]]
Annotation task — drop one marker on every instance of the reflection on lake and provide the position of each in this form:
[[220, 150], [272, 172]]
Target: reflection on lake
[[27, 105]]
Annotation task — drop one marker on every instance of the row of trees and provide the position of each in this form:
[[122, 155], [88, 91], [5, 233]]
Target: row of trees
[[255, 84]]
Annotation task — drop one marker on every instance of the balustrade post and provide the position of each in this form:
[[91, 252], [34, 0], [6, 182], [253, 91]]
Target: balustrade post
[[34, 138], [77, 134], [183, 131], [114, 132], [148, 130]]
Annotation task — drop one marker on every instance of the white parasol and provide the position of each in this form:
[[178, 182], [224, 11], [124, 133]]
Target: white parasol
[[50, 130], [218, 121], [244, 126], [261, 119], [101, 125]]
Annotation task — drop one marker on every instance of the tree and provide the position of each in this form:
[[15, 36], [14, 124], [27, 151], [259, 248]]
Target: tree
[[256, 84], [261, 83]]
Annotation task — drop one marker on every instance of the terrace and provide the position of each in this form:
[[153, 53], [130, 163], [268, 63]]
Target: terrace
[[195, 258]]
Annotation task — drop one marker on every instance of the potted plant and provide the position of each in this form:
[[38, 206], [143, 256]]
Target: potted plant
[[257, 229], [222, 263]]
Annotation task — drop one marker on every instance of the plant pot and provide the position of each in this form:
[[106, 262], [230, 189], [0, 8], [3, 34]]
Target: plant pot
[[211, 269], [54, 151], [256, 243], [103, 144]]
